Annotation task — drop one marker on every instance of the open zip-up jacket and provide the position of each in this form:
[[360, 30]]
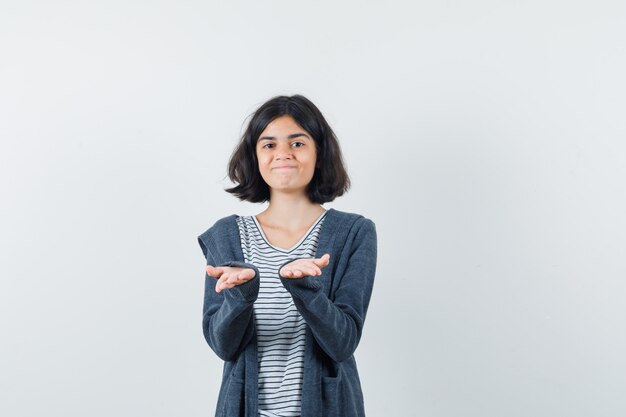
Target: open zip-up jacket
[[333, 306]]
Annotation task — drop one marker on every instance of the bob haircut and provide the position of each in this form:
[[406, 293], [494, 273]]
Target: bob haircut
[[330, 179]]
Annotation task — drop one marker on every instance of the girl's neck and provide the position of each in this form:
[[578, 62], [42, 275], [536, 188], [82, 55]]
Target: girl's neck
[[290, 212]]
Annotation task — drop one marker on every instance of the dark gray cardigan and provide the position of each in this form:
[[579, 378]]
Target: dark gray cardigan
[[333, 306]]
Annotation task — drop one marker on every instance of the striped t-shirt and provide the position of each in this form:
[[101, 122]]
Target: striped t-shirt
[[280, 327]]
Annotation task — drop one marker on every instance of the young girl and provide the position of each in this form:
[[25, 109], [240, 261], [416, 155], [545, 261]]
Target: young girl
[[287, 290]]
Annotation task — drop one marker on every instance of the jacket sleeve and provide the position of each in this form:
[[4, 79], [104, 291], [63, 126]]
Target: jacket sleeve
[[337, 325], [227, 319]]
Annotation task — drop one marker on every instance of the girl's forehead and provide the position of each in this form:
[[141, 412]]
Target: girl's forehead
[[284, 127]]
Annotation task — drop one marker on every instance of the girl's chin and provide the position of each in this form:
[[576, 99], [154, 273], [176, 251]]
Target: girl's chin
[[288, 189]]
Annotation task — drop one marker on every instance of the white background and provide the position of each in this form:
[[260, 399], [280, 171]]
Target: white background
[[486, 140]]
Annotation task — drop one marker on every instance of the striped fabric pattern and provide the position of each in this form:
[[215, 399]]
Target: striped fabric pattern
[[280, 327]]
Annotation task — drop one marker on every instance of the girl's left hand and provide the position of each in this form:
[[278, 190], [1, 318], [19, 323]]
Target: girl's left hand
[[304, 267]]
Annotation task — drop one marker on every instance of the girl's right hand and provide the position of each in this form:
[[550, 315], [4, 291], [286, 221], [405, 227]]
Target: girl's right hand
[[229, 276]]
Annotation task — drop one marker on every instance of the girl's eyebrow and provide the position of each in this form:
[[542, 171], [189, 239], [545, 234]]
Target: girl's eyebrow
[[292, 136]]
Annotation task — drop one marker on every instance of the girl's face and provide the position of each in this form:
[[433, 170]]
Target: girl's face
[[286, 154]]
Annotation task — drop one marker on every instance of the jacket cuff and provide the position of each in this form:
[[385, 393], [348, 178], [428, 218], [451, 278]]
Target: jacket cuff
[[300, 287], [249, 290]]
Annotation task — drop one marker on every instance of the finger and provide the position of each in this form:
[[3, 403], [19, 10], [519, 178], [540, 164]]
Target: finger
[[305, 271], [310, 268], [214, 271], [313, 271], [228, 285], [232, 279], [219, 285]]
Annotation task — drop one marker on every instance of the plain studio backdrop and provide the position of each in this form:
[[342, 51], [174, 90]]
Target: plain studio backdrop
[[485, 139]]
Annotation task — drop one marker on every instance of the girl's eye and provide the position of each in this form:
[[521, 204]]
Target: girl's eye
[[271, 145]]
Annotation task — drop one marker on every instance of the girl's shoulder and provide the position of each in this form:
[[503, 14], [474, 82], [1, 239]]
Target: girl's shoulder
[[349, 227], [222, 227], [347, 219]]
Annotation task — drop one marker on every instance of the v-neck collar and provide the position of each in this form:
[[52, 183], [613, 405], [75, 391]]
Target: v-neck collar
[[299, 242]]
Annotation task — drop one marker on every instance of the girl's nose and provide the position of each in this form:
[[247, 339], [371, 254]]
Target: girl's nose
[[283, 151]]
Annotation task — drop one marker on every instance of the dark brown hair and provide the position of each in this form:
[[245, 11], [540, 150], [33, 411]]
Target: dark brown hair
[[330, 179]]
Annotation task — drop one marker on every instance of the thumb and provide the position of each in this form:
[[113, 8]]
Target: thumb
[[323, 261]]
